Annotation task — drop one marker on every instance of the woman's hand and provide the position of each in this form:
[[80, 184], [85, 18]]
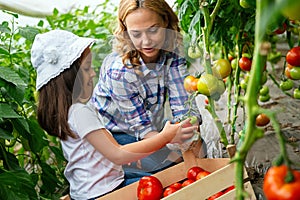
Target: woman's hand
[[178, 133]]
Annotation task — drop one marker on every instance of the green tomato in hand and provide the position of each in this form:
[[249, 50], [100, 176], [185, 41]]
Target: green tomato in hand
[[193, 120]]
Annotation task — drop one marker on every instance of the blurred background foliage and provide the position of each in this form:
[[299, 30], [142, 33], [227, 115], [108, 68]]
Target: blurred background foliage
[[31, 161]]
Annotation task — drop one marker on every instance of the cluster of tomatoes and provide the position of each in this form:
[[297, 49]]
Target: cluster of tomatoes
[[150, 187], [292, 71], [210, 84]]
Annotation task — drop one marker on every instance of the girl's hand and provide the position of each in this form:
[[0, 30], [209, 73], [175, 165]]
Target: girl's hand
[[178, 133]]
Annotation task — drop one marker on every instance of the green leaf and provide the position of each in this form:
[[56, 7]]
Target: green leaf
[[17, 185], [11, 76], [37, 138], [21, 126], [6, 111], [28, 32], [4, 51], [49, 178]]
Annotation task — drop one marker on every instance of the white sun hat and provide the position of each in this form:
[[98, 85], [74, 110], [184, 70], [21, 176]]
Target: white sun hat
[[54, 51]]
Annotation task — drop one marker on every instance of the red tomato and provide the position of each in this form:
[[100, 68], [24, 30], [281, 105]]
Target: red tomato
[[293, 56], [229, 189], [187, 182], [193, 172], [275, 187], [176, 185], [202, 174], [218, 194], [245, 63], [169, 190], [262, 120], [281, 29], [206, 101], [149, 188]]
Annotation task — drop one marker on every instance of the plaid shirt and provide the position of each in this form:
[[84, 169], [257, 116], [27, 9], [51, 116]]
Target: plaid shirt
[[134, 104]]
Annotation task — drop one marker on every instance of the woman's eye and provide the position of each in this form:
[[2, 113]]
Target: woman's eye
[[153, 30], [136, 34]]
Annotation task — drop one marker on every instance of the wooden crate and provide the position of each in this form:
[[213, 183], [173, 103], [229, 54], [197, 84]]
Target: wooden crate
[[222, 176]]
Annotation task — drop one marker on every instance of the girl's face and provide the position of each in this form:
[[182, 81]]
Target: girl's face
[[88, 74], [147, 33]]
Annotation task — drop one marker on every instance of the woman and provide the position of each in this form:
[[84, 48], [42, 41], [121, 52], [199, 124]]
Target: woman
[[65, 83], [143, 74]]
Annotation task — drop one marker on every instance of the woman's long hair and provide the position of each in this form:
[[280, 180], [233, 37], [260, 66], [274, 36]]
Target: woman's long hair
[[55, 99], [122, 43]]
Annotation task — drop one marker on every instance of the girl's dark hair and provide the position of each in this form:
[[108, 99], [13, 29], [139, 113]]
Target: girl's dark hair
[[55, 99]]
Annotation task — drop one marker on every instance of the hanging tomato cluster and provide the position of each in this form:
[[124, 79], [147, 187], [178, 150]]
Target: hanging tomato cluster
[[292, 71], [211, 85]]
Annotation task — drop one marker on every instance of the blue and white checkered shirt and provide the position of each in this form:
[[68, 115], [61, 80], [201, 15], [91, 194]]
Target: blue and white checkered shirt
[[134, 104]]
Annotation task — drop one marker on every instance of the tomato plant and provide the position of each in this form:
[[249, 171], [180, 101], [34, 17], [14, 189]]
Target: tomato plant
[[149, 188], [193, 172], [275, 185], [190, 83], [245, 63], [221, 68], [293, 56]]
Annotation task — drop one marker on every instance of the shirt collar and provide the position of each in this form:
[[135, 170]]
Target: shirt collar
[[160, 63]]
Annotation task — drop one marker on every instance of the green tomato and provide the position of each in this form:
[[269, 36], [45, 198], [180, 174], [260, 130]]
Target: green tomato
[[221, 68], [243, 84], [264, 90], [295, 73], [297, 93], [286, 85], [194, 52], [274, 57], [234, 63], [244, 4], [264, 98], [193, 120], [208, 84]]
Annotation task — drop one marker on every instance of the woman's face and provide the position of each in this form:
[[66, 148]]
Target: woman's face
[[88, 74], [147, 33]]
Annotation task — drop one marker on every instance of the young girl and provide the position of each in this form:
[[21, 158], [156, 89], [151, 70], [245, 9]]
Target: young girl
[[143, 75], [65, 83]]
